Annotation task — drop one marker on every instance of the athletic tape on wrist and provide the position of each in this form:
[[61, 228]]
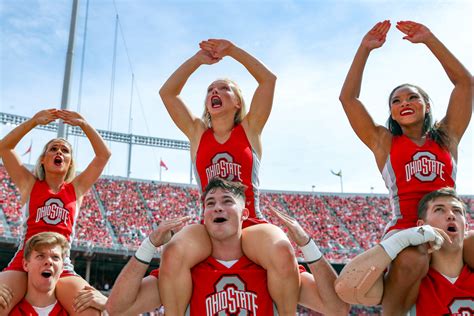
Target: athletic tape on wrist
[[145, 252], [311, 252]]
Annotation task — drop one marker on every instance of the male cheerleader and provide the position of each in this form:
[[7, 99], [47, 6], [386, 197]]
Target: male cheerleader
[[43, 260], [448, 288], [227, 282]]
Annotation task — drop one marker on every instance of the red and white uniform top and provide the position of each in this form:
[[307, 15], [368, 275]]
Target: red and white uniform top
[[440, 296], [410, 172], [238, 290], [234, 160], [47, 211], [24, 308]]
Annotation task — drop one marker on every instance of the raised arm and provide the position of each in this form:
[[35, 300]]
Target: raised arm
[[459, 110], [84, 181], [317, 289], [131, 294], [19, 174], [362, 123], [186, 121], [262, 100]]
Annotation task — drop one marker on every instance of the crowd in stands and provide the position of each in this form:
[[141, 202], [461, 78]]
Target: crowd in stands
[[120, 213], [91, 227]]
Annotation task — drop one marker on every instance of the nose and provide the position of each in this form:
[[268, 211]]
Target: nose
[[451, 216], [218, 208]]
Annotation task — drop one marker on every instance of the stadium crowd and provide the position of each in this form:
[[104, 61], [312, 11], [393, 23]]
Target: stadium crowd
[[120, 213]]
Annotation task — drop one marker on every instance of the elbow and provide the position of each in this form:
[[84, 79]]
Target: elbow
[[111, 307], [272, 77], [114, 307], [344, 99]]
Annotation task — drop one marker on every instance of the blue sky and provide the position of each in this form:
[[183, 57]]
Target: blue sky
[[309, 45]]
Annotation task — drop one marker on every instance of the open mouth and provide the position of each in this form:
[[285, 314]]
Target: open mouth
[[216, 102], [46, 274], [452, 229], [58, 160], [220, 220], [407, 112]]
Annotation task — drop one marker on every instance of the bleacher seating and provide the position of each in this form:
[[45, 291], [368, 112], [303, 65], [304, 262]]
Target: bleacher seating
[[342, 225]]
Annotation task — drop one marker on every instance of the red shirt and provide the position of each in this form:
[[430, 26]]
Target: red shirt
[[238, 290], [438, 296], [24, 308], [47, 211], [234, 160], [410, 172]]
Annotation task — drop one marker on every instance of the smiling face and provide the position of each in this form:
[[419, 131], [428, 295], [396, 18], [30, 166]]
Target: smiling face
[[44, 266], [408, 106], [448, 214], [223, 214]]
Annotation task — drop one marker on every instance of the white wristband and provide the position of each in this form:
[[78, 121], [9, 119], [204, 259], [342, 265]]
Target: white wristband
[[311, 252], [145, 252]]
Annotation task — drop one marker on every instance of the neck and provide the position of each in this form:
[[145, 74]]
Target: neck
[[449, 263], [40, 299], [229, 249], [222, 125], [414, 132], [54, 181]]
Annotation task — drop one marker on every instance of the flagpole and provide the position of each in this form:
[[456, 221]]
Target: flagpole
[[340, 179], [160, 168]]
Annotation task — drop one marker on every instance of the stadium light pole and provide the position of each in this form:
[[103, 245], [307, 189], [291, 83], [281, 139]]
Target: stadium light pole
[[68, 68]]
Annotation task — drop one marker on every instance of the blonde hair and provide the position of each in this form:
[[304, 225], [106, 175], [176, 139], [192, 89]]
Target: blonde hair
[[43, 239], [39, 168], [241, 112]]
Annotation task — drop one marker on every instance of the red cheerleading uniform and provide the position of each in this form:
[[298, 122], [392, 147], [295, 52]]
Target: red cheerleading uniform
[[48, 211], [410, 172], [24, 308], [234, 160], [238, 290], [438, 296]]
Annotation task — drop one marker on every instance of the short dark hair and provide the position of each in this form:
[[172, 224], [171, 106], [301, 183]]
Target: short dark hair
[[236, 188], [443, 192]]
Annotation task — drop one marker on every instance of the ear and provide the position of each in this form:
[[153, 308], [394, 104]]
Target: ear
[[25, 264], [420, 222], [428, 108], [245, 214]]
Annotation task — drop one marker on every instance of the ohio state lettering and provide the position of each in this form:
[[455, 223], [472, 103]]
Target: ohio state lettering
[[462, 307], [231, 297], [424, 167], [223, 166], [52, 212]]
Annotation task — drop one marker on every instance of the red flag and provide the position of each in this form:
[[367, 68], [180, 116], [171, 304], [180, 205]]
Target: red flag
[[28, 150], [162, 164]]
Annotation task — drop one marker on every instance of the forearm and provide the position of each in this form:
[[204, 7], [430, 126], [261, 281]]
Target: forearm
[[352, 84], [125, 291], [324, 277], [456, 72], [256, 68], [176, 82], [13, 138], [101, 150]]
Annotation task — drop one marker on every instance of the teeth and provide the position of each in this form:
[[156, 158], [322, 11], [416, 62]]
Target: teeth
[[215, 101]]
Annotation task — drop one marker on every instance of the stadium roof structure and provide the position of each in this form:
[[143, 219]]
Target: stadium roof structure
[[132, 139]]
